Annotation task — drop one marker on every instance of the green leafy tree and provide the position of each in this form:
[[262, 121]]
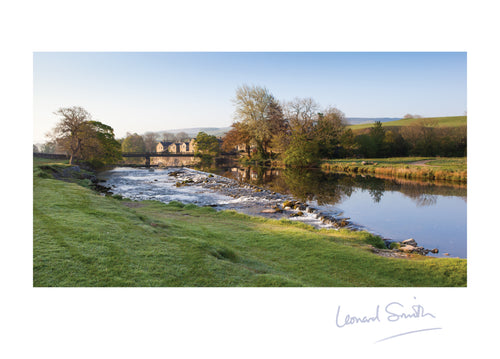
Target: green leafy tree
[[366, 146], [133, 143], [328, 132], [348, 145], [377, 135], [100, 147], [301, 152], [206, 145]]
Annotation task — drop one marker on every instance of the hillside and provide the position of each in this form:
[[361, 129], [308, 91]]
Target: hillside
[[215, 131], [452, 121], [369, 120]]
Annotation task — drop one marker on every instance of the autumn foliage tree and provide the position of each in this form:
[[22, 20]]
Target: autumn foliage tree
[[237, 135]]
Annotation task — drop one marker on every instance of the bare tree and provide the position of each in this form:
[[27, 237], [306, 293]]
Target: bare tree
[[302, 113], [150, 141], [48, 147], [70, 130], [168, 137], [182, 137], [252, 112]]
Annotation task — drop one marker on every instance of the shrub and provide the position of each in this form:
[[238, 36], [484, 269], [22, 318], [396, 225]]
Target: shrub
[[375, 241], [395, 245]]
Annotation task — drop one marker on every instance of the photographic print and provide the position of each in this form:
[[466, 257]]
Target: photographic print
[[250, 169]]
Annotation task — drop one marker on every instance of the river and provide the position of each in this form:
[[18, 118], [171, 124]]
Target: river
[[434, 214]]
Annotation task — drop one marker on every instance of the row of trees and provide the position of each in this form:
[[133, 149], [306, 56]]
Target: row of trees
[[147, 142], [93, 142], [299, 131], [423, 138]]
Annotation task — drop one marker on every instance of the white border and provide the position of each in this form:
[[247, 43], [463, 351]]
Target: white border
[[227, 323]]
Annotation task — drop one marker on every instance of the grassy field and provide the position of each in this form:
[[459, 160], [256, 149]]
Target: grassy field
[[430, 168], [81, 238], [453, 121]]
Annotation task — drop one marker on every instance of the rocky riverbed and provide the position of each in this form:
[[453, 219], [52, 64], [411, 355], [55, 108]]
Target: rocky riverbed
[[257, 200]]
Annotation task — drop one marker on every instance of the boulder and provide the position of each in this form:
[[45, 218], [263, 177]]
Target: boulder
[[288, 204], [410, 242], [408, 248], [268, 210]]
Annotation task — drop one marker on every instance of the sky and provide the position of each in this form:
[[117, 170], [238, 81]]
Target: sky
[[158, 91]]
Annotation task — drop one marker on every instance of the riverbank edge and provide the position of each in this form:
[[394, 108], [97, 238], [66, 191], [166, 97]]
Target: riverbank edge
[[404, 170], [407, 170]]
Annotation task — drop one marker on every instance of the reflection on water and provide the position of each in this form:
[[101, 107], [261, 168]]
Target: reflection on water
[[334, 188], [433, 213]]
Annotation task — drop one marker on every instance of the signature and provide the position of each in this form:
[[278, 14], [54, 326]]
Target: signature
[[392, 312]]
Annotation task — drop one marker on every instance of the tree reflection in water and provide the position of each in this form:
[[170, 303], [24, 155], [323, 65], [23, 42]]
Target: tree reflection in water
[[333, 188]]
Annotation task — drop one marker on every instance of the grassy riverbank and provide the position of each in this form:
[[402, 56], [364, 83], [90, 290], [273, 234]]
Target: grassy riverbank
[[427, 168], [81, 238]]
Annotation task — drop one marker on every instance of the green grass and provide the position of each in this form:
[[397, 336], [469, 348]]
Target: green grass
[[434, 168], [83, 239], [452, 121]]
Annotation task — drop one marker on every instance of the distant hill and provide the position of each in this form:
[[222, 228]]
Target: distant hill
[[451, 121], [215, 131], [366, 120], [355, 123], [221, 131]]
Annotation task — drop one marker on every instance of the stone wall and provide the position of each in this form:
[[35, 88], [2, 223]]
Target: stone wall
[[50, 155], [174, 161]]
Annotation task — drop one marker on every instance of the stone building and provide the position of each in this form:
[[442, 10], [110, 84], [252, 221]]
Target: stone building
[[176, 147]]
